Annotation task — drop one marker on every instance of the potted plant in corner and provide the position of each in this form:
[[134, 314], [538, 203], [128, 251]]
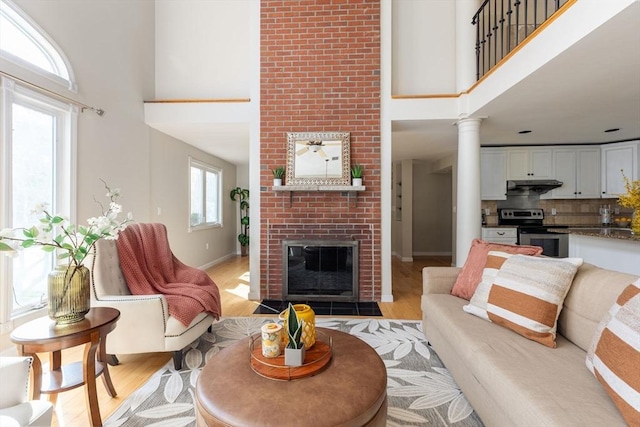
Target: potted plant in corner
[[242, 195], [278, 174], [294, 352], [356, 173]]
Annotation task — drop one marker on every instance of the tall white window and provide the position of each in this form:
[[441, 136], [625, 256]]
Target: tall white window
[[205, 183], [37, 152], [36, 169]]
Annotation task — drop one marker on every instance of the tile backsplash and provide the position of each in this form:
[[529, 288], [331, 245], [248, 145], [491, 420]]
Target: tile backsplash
[[575, 212]]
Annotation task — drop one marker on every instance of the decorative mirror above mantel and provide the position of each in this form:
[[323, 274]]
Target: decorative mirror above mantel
[[318, 158]]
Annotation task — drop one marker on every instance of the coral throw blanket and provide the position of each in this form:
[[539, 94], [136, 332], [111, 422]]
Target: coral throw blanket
[[150, 267]]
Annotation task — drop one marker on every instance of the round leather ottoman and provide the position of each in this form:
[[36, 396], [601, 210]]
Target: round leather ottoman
[[350, 391]]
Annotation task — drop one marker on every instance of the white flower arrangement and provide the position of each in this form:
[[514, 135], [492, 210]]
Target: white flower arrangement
[[55, 232]]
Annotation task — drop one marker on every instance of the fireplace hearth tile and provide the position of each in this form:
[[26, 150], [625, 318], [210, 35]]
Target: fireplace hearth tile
[[323, 308]]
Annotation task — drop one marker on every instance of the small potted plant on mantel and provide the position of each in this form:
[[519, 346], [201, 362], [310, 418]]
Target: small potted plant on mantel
[[356, 173], [278, 174], [294, 352]]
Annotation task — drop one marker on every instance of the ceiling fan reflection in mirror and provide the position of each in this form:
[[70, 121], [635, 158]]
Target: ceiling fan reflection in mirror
[[315, 147]]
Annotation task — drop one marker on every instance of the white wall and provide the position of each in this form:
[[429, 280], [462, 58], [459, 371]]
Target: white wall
[[170, 198], [424, 47], [203, 49], [432, 195], [114, 71], [110, 45]]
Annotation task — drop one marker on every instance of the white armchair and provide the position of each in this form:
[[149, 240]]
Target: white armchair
[[15, 407], [145, 325]]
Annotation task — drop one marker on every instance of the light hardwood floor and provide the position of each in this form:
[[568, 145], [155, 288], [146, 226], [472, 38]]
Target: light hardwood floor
[[232, 278]]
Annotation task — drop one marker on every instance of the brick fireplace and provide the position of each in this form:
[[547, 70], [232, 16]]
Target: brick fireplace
[[320, 72]]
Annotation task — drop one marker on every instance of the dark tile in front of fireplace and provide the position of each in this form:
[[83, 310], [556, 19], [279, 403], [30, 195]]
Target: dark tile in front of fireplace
[[323, 308]]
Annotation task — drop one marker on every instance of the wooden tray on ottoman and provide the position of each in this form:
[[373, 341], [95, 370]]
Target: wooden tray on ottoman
[[315, 359]]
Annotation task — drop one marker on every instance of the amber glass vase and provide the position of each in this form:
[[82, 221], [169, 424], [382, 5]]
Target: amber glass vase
[[69, 298]]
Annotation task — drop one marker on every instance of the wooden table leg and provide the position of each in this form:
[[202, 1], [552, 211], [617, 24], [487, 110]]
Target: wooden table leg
[[91, 394], [55, 364], [106, 377]]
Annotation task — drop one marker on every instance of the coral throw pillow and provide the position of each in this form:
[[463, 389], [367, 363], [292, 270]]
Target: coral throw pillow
[[527, 295], [478, 303], [471, 274], [614, 355]]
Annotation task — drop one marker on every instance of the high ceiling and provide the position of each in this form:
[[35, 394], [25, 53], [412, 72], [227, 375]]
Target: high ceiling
[[573, 99], [591, 87]]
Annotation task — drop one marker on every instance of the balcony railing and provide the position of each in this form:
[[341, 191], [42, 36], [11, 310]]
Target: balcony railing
[[503, 24]]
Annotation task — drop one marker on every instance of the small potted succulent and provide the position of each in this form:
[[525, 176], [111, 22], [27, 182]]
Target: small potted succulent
[[278, 174], [356, 173], [294, 352]]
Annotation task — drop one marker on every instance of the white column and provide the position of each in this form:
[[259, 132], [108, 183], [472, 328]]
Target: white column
[[468, 217], [385, 148]]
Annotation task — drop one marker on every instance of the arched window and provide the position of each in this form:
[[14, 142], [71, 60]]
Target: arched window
[[24, 43], [37, 152]]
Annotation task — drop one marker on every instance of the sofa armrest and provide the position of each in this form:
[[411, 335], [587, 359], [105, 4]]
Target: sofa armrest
[[150, 315], [152, 308], [439, 280]]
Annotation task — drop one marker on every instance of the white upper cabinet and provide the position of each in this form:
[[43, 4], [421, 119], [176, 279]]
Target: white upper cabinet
[[578, 169], [586, 171], [529, 163], [493, 174], [618, 158]]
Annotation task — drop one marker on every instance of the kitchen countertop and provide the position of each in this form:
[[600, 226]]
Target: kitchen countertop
[[587, 230], [596, 231]]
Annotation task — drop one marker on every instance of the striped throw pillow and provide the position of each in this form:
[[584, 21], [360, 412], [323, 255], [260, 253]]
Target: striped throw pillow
[[527, 295], [614, 354], [471, 274], [478, 303]]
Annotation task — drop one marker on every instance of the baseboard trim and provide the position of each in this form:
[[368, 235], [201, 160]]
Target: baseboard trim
[[432, 254], [217, 261]]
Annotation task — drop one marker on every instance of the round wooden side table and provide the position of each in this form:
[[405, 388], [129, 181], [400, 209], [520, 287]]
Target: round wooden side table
[[43, 336]]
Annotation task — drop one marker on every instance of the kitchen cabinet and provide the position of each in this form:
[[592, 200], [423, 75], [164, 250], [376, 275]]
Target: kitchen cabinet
[[622, 156], [529, 163], [493, 174], [508, 235], [578, 169]]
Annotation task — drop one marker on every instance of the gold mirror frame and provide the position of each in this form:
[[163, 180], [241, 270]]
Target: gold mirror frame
[[318, 158]]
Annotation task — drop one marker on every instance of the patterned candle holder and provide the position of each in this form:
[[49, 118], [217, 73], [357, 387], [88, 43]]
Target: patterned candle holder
[[271, 340]]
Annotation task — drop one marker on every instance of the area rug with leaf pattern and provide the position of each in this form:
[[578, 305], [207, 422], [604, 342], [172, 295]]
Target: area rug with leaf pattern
[[420, 390]]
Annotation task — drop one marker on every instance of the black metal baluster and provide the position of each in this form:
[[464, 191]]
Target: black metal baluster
[[517, 5], [477, 25], [535, 14], [546, 9], [526, 19], [484, 45], [509, 12], [502, 29]]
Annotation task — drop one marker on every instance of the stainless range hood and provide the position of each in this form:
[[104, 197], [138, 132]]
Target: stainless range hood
[[522, 187]]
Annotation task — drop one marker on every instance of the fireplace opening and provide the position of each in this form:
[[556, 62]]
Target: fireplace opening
[[321, 270]]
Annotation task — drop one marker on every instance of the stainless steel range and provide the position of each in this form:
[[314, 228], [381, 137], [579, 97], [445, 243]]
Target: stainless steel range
[[532, 231]]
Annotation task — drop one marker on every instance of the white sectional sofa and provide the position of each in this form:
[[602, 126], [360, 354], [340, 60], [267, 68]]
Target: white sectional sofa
[[512, 381]]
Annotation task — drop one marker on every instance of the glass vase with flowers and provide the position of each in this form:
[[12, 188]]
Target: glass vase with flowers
[[68, 283]]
